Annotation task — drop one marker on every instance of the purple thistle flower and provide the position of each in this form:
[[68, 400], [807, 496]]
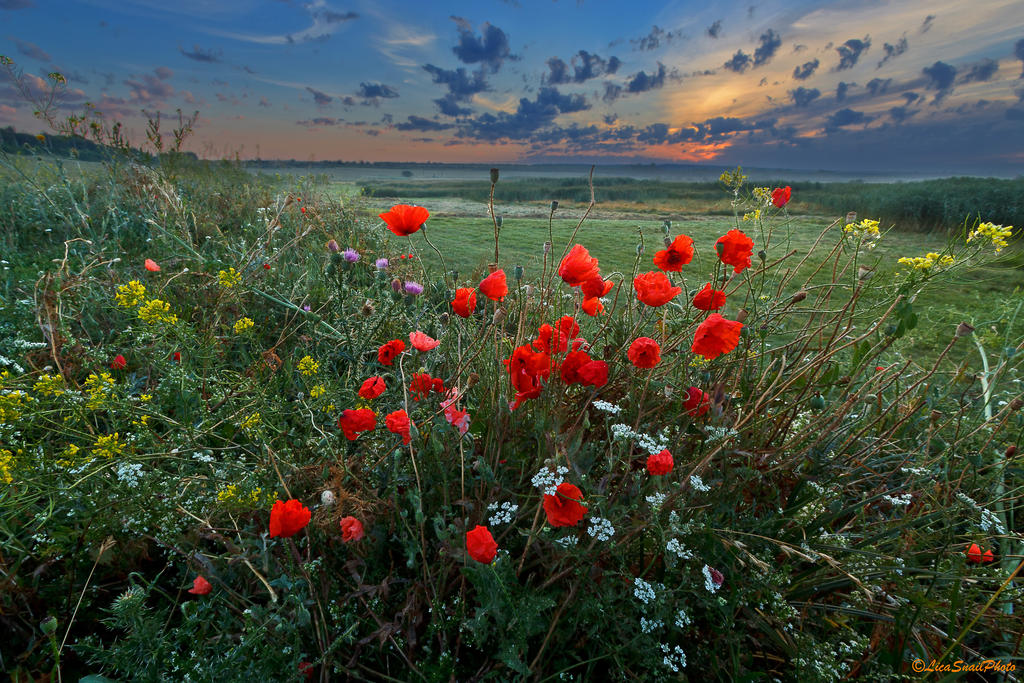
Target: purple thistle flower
[[351, 255], [413, 288], [382, 263], [306, 308]]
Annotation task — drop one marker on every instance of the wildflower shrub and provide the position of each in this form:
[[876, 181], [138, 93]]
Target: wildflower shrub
[[718, 465]]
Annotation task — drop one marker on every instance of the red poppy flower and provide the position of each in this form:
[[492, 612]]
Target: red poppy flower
[[465, 302], [288, 518], [735, 249], [781, 195], [480, 545], [677, 255], [151, 266], [975, 555], [716, 336], [372, 388], [644, 352], [709, 299], [592, 307], [387, 352], [457, 418], [404, 220], [564, 508], [579, 368], [422, 342], [526, 368], [398, 423], [200, 586], [119, 363], [660, 463], [494, 286], [596, 286], [578, 266], [306, 669], [303, 209], [266, 266], [697, 402], [654, 288], [353, 421], [351, 529], [568, 327]]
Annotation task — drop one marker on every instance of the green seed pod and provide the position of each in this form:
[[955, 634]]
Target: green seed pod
[[494, 176], [817, 402]]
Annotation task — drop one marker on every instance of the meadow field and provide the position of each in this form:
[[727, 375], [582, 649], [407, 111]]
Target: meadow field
[[263, 426]]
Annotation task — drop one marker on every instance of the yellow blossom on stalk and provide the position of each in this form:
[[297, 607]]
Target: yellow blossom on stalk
[[929, 260], [69, 455], [229, 278], [233, 494], [49, 385], [11, 405], [142, 421], [866, 232], [99, 388], [698, 361], [308, 366], [250, 423], [997, 233], [145, 398], [108, 445], [131, 294], [317, 391], [243, 325], [763, 195], [733, 179], [157, 311], [752, 215], [6, 460]]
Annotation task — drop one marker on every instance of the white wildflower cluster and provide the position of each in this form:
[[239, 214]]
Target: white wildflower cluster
[[809, 512], [989, 520], [202, 456], [548, 480], [901, 500], [698, 484], [801, 422], [567, 541], [652, 445], [719, 433], [828, 662], [656, 500], [643, 591], [709, 580], [502, 513], [916, 471], [607, 407], [683, 619], [129, 474], [675, 658], [4, 360], [601, 529], [648, 625], [676, 547], [23, 345]]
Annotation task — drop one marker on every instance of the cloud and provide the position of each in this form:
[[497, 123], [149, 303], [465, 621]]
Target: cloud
[[1018, 52], [770, 43], [374, 90], [715, 29], [910, 97], [804, 96], [15, 4], [264, 102], [642, 82], [612, 91], [655, 39], [461, 87], [200, 55], [981, 72], [322, 99], [324, 24], [610, 119], [150, 90], [31, 50], [558, 72], [805, 71], [878, 86], [739, 62], [529, 117], [491, 48], [845, 117], [331, 17], [893, 51], [901, 114], [319, 121], [585, 66], [940, 77], [842, 89], [422, 124], [927, 23], [850, 52]]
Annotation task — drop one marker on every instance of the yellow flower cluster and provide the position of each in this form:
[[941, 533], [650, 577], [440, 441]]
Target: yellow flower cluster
[[308, 366], [929, 260], [733, 179], [11, 405], [763, 195], [250, 423], [243, 325], [157, 311], [108, 445], [996, 233], [865, 232], [233, 494], [100, 388], [6, 460], [229, 278], [317, 391], [752, 215], [70, 453], [131, 294], [49, 385]]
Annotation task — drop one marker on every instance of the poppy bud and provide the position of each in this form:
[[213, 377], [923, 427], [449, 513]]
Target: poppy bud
[[742, 315], [640, 249], [799, 296], [666, 227], [498, 220], [396, 285], [472, 379], [936, 416], [763, 255], [1010, 452], [367, 309], [554, 205], [964, 330], [327, 498], [668, 241], [499, 315], [547, 246], [1016, 404], [444, 318], [863, 272], [851, 217], [518, 273], [494, 176]]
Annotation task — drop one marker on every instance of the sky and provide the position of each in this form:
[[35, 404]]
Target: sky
[[872, 85]]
